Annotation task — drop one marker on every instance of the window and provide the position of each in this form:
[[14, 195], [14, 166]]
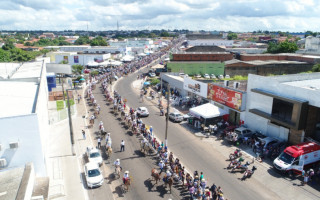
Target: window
[[282, 110]]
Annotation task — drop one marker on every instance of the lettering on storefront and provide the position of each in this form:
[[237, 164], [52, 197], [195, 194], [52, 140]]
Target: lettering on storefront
[[225, 96], [195, 88]]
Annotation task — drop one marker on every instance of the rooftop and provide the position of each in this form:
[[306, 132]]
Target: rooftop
[[29, 70], [205, 49], [10, 182], [311, 84], [7, 69], [263, 62], [17, 98]]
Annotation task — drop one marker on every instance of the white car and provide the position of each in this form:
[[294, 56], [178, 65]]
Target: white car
[[93, 175], [197, 76], [142, 112], [206, 76], [94, 155], [221, 76], [176, 117], [227, 76], [213, 76], [152, 74]]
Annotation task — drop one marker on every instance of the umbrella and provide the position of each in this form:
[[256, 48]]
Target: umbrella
[[82, 79], [146, 83]]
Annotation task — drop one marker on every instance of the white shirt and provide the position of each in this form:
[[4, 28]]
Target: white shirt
[[126, 176], [122, 143], [117, 163], [161, 165]]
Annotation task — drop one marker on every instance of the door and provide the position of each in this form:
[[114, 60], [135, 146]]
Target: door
[[298, 165]]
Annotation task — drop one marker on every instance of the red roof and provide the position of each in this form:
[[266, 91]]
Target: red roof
[[301, 149]]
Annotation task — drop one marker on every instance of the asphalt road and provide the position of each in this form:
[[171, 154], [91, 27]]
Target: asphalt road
[[193, 153], [132, 159]]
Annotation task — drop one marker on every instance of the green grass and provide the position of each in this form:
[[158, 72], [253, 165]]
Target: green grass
[[60, 105], [71, 101]]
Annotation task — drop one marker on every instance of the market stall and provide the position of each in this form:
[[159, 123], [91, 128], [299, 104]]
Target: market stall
[[206, 113]]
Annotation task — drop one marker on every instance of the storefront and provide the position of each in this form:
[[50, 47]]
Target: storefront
[[285, 107], [196, 90], [230, 99]]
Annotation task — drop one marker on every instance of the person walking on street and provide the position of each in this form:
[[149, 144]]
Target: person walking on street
[[84, 134], [122, 146], [99, 142]]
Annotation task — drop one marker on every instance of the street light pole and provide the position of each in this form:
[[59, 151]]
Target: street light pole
[[167, 117], [70, 123]]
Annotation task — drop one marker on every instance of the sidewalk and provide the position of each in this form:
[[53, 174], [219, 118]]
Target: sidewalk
[[286, 188], [64, 165]]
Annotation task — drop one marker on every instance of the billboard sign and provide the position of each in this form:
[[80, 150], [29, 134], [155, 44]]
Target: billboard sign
[[196, 87], [225, 96], [76, 59]]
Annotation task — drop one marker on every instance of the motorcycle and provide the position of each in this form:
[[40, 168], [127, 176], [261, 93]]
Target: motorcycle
[[248, 173], [242, 168], [233, 163], [237, 153]]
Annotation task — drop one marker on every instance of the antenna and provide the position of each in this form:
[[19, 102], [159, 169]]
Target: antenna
[[118, 25]]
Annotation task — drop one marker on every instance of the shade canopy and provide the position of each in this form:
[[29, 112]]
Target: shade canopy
[[146, 83], [207, 111]]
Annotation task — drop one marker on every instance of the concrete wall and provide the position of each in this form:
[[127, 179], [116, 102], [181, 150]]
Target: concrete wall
[[174, 83], [83, 59], [276, 84], [244, 69], [202, 57], [25, 130]]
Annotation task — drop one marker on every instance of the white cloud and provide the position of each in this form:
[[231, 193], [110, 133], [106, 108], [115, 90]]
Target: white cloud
[[235, 15]]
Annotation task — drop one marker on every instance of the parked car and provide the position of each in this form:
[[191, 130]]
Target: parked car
[[181, 74], [94, 155], [187, 116], [213, 76], [93, 175], [265, 142], [206, 76], [227, 76], [220, 76], [197, 76], [151, 74], [243, 133], [142, 112], [176, 117]]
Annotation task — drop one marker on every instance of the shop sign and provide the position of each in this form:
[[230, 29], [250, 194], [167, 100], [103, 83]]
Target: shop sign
[[195, 87], [225, 96]]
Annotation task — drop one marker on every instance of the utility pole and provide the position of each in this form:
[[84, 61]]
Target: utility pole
[[70, 123], [167, 117]]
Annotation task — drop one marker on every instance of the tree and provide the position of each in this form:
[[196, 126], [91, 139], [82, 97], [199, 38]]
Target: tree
[[232, 36], [5, 56], [98, 41], [82, 40], [164, 34], [283, 47], [8, 46], [27, 44], [316, 68], [77, 69]]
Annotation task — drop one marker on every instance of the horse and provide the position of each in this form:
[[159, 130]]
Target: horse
[[117, 170], [127, 183], [109, 151], [155, 175], [145, 148], [168, 181]]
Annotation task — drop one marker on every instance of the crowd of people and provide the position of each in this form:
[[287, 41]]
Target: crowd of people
[[195, 183]]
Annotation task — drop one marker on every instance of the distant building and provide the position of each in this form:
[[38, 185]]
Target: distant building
[[210, 42], [47, 35]]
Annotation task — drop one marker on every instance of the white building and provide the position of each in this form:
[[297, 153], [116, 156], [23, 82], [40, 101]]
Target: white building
[[108, 49], [285, 107], [74, 58], [211, 42], [24, 117], [147, 43]]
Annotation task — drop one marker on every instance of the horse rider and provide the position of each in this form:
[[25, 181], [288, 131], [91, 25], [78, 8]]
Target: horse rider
[[100, 124], [168, 175], [117, 163], [125, 176], [161, 165], [108, 137]]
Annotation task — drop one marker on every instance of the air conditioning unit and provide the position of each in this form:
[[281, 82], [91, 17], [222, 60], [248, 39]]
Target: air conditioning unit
[[14, 145], [3, 163], [226, 83], [236, 85]]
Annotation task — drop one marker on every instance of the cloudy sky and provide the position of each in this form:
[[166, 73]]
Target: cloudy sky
[[234, 15]]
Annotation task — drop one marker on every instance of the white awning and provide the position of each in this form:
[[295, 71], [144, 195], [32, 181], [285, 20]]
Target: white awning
[[207, 111]]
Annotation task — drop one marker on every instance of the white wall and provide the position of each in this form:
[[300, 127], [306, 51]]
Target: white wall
[[174, 83], [83, 59], [25, 130], [228, 43]]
